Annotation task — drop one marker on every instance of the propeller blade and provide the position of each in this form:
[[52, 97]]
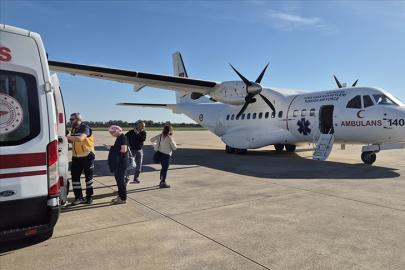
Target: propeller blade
[[355, 83], [248, 98], [248, 83], [268, 102], [337, 81], [259, 79]]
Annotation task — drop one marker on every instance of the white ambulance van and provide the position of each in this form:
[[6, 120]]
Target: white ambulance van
[[33, 144]]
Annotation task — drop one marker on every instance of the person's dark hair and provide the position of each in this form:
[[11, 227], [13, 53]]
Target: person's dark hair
[[167, 130]]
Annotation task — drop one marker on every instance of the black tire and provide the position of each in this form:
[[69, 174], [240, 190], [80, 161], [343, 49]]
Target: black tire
[[241, 151], [368, 157], [44, 236], [229, 149], [279, 147], [290, 147]]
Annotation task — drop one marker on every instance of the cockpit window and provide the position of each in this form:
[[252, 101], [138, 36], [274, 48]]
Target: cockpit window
[[367, 101], [354, 103], [383, 100]]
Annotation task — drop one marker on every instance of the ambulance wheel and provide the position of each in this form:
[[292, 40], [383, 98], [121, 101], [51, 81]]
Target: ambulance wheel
[[279, 147], [241, 151], [290, 147], [368, 157], [229, 149], [44, 236]]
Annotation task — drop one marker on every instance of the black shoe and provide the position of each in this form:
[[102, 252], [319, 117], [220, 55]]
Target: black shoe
[[89, 200], [136, 181], [77, 201], [163, 185]]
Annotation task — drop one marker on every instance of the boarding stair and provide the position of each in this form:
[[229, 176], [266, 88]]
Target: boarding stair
[[324, 146]]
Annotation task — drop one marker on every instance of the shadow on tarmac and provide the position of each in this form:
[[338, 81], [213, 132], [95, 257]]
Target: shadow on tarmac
[[263, 164]]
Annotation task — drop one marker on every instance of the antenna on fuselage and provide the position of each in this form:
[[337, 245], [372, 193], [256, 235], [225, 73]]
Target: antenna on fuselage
[[340, 85]]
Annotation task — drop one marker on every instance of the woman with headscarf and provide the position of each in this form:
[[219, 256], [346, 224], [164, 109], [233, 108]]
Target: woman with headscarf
[[118, 160], [165, 144]]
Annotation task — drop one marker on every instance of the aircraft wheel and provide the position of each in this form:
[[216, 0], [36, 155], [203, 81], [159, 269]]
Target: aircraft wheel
[[241, 151], [279, 147], [368, 157], [229, 149], [290, 147]]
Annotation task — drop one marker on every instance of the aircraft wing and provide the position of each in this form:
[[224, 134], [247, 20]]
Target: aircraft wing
[[163, 106], [139, 79]]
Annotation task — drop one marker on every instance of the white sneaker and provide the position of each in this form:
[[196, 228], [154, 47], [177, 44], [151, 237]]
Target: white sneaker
[[115, 199]]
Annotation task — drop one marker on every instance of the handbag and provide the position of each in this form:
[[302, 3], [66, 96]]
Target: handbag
[[157, 156], [132, 164]]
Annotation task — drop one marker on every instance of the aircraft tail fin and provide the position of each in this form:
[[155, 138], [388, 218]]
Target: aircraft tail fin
[[179, 70]]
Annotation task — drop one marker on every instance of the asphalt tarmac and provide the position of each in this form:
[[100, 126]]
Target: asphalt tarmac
[[264, 210]]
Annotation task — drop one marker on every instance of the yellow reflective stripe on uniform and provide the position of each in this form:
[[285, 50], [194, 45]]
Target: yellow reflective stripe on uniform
[[84, 154]]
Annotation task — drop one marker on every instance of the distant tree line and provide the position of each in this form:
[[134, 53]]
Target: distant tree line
[[148, 123]]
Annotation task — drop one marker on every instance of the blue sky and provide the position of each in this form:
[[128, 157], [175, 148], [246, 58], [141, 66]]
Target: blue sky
[[306, 43]]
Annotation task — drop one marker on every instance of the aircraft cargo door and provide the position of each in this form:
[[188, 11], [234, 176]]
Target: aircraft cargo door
[[326, 119]]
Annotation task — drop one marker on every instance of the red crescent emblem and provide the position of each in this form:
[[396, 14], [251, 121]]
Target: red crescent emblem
[[201, 117], [358, 114]]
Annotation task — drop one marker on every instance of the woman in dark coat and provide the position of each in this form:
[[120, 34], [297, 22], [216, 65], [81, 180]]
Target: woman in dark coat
[[118, 160]]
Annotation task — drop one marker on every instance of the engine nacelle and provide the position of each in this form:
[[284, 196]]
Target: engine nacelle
[[233, 92]]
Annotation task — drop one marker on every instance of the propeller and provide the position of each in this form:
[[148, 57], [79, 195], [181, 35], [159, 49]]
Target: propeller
[[253, 88], [340, 86]]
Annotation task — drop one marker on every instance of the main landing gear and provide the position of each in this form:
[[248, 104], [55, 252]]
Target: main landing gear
[[288, 147], [368, 157], [278, 147], [231, 150]]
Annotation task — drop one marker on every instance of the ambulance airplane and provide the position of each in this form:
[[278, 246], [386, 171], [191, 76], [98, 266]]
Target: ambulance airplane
[[247, 115]]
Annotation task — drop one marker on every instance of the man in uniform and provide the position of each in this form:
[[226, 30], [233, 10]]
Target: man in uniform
[[82, 158], [136, 137]]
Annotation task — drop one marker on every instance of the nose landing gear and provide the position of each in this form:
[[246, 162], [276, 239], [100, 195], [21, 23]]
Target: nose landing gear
[[368, 157]]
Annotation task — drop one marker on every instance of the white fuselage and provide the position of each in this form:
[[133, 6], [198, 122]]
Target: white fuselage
[[302, 117]]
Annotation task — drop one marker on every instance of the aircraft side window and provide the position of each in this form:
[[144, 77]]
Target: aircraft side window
[[354, 103], [280, 114], [367, 101], [273, 114], [303, 112], [248, 116], [266, 115], [383, 100], [227, 117], [243, 116], [260, 115], [254, 116], [295, 113], [232, 117], [312, 112]]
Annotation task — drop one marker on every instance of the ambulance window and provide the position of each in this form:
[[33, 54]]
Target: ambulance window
[[20, 121], [273, 114], [303, 112], [254, 116], [280, 114], [367, 101], [354, 103], [266, 115], [232, 117], [248, 116], [227, 117], [243, 116], [312, 112], [295, 113], [260, 115], [383, 100]]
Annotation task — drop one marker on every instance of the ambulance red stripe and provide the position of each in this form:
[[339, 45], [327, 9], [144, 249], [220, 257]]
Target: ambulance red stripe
[[22, 174], [22, 160]]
